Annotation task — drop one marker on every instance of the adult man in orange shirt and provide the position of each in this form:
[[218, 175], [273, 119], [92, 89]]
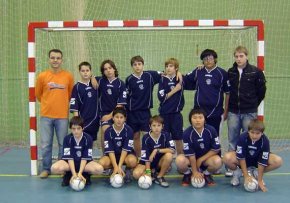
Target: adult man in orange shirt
[[53, 91]]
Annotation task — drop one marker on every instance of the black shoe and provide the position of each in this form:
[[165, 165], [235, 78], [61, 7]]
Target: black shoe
[[161, 181], [186, 179], [88, 178], [65, 179], [209, 180]]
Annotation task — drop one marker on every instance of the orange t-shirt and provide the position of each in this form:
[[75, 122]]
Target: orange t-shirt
[[53, 91]]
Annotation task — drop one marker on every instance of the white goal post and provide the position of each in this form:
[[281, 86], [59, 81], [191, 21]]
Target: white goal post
[[116, 25]]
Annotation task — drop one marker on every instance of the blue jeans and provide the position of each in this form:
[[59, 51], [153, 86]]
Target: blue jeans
[[47, 127], [236, 123]]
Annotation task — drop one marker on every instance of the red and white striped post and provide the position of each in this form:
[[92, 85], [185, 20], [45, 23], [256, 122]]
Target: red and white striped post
[[126, 25]]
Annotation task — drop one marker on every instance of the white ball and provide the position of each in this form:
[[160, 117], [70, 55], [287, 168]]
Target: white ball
[[77, 184], [145, 182], [252, 186], [117, 180], [197, 183]]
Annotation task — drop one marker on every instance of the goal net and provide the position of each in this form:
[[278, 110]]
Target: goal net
[[155, 41]]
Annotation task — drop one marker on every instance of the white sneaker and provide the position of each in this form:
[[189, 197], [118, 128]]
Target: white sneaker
[[228, 172], [235, 181]]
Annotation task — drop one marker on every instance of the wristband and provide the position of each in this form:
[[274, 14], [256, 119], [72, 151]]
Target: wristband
[[148, 171]]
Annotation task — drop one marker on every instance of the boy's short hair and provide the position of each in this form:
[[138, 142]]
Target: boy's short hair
[[137, 59], [172, 61], [76, 120], [120, 110], [208, 52], [56, 51], [157, 119], [256, 124], [241, 49], [196, 111], [102, 67], [85, 63]]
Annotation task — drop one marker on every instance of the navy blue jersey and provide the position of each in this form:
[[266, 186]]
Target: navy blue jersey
[[111, 93], [77, 151], [84, 100], [175, 103], [210, 88], [116, 142], [140, 90], [253, 152], [200, 144], [149, 144]]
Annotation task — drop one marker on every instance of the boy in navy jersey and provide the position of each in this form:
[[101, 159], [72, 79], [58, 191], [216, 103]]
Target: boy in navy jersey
[[201, 147], [140, 86], [157, 152], [84, 101], [210, 83], [118, 142], [170, 95], [77, 160], [252, 155], [112, 92]]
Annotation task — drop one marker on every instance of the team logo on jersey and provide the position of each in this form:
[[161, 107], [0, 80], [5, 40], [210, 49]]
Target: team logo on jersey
[[106, 143], [89, 94], [185, 146], [124, 94], [141, 87], [201, 145], [119, 143], [217, 140], [109, 91], [66, 151], [161, 92], [228, 83], [265, 155], [172, 144], [90, 152], [251, 152], [172, 87], [208, 81], [73, 101], [79, 153], [239, 150], [143, 153], [131, 143]]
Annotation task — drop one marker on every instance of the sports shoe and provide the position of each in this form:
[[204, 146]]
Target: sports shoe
[[153, 175], [209, 180], [65, 179], [107, 172], [44, 174], [228, 172], [88, 178], [236, 177], [186, 180], [128, 176], [161, 181]]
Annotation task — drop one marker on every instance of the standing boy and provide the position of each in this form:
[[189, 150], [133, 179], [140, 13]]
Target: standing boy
[[170, 95]]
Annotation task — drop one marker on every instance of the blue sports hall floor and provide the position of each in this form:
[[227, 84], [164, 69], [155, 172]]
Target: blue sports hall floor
[[16, 185]]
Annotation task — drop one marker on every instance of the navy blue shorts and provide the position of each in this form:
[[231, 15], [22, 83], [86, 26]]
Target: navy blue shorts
[[155, 162], [173, 124], [214, 122], [139, 120], [93, 129]]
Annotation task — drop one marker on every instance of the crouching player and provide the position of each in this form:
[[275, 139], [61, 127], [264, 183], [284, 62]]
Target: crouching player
[[77, 160], [118, 146], [201, 147], [252, 157], [156, 154]]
